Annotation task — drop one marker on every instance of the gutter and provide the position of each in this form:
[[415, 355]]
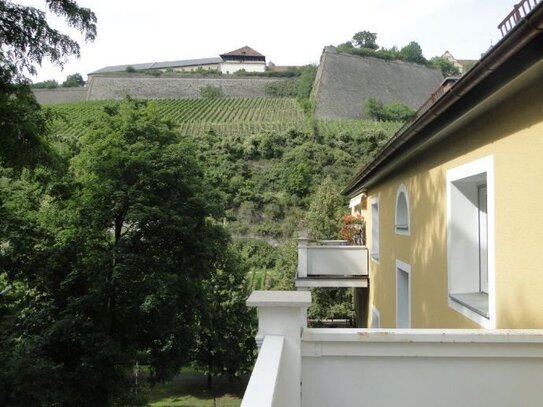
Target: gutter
[[522, 34]]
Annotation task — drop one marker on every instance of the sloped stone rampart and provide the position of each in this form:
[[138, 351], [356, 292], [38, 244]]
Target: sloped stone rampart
[[60, 95], [345, 82], [117, 87]]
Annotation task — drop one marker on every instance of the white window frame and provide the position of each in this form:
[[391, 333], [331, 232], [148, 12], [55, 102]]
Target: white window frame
[[462, 214], [405, 268], [375, 230], [405, 226]]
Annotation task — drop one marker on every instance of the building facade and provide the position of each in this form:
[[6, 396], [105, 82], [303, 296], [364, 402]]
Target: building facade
[[453, 227]]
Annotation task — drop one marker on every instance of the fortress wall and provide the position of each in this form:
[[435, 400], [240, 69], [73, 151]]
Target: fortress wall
[[163, 87], [60, 95], [346, 82]]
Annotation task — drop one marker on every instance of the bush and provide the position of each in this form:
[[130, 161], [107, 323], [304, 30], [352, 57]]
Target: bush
[[395, 111], [49, 84], [130, 69], [211, 91], [284, 88]]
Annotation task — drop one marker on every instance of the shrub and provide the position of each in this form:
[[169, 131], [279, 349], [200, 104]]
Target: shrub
[[211, 91], [395, 111], [285, 88]]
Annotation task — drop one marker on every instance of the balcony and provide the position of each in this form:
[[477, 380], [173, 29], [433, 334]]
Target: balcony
[[520, 11], [301, 367], [331, 263]]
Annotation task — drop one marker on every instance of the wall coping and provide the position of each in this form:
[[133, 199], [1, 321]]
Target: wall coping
[[294, 299], [505, 336]]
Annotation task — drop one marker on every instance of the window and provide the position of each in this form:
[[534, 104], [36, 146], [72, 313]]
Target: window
[[375, 229], [470, 241], [402, 211], [403, 295]]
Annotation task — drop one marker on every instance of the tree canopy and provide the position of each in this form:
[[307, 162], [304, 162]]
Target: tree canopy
[[26, 40], [366, 39], [104, 265]]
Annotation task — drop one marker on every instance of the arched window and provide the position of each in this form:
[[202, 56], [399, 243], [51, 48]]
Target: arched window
[[402, 211]]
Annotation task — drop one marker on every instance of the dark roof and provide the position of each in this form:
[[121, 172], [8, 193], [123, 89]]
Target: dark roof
[[515, 53], [161, 65], [243, 52]]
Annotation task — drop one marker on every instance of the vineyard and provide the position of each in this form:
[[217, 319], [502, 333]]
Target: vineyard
[[224, 116]]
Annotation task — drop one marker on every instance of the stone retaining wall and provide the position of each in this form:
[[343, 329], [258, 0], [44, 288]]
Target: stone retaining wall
[[163, 87], [345, 82], [60, 95]]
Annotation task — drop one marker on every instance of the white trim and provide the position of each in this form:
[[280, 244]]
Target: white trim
[[399, 231], [485, 166], [402, 267], [374, 200]]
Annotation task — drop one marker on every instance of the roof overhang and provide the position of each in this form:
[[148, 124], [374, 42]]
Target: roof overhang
[[516, 58]]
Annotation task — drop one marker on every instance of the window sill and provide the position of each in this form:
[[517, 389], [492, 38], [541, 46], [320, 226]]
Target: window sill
[[475, 302]]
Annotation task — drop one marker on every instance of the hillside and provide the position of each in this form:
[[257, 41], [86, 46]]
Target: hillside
[[223, 116], [264, 157]]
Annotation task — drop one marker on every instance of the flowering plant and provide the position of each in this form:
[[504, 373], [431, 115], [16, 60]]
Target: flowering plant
[[353, 229]]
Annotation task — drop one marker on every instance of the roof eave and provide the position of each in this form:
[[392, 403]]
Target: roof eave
[[525, 31]]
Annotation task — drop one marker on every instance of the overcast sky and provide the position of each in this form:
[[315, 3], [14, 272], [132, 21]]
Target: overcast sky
[[288, 32]]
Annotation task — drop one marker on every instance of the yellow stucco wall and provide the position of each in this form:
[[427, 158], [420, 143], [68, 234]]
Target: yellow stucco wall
[[511, 132]]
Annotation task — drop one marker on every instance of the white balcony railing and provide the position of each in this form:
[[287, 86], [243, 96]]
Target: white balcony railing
[[275, 380], [263, 386], [387, 367], [332, 259]]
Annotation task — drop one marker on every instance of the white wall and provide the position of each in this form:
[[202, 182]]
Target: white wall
[[345, 367], [233, 67]]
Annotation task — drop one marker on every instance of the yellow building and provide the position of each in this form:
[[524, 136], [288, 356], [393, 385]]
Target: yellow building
[[454, 200]]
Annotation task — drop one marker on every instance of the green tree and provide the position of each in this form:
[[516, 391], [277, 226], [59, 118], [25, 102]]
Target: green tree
[[394, 111], [211, 92], [447, 67], [226, 330], [366, 39], [26, 40], [325, 210], [323, 222], [73, 81], [412, 52], [48, 84], [110, 261]]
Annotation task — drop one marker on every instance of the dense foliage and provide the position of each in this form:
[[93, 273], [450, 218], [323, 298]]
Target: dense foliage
[[394, 111], [364, 43], [101, 265], [322, 222], [447, 68]]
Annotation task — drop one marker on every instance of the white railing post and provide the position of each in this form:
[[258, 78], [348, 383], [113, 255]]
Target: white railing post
[[284, 313], [303, 242]]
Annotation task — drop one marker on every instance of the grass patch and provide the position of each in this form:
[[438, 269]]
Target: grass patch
[[190, 390]]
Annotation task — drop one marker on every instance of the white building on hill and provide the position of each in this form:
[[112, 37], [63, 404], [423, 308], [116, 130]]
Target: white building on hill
[[244, 58]]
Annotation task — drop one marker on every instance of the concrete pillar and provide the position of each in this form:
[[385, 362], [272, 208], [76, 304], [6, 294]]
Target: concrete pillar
[[284, 313]]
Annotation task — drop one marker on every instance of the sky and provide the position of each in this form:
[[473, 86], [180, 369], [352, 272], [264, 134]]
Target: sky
[[287, 32]]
